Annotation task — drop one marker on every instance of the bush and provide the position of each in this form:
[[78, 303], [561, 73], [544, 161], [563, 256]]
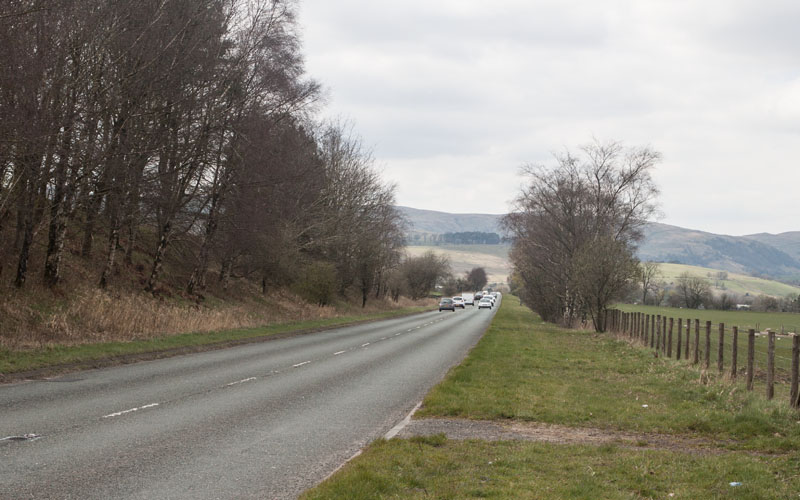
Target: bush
[[317, 283]]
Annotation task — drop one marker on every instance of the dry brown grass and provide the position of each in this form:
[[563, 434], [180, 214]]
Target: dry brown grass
[[87, 315]]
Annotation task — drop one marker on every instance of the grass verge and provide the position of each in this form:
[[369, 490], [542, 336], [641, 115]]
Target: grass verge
[[14, 361], [527, 370], [434, 467]]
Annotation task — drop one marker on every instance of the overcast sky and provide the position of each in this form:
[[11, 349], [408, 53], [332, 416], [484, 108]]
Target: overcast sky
[[453, 96]]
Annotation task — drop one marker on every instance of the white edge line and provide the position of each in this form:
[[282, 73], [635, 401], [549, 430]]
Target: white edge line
[[241, 381], [338, 353], [301, 364], [399, 427], [389, 435], [117, 414]]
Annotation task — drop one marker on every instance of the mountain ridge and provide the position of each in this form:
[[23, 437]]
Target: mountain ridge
[[762, 254]]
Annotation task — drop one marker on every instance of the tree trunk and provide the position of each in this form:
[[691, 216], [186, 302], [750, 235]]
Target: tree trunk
[[225, 272], [113, 242], [198, 279], [58, 224], [158, 260]]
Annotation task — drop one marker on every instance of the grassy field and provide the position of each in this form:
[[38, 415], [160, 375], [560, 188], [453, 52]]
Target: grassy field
[[493, 258], [745, 320], [524, 370], [789, 322], [12, 361], [735, 283]]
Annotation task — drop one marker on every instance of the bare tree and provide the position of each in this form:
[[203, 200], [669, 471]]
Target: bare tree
[[421, 274], [476, 278], [694, 290], [590, 203], [649, 273]]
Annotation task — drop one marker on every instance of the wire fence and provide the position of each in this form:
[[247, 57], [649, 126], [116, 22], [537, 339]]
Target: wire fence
[[768, 356]]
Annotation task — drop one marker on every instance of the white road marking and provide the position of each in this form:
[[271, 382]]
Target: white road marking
[[117, 414], [24, 437], [383, 338], [338, 353], [396, 334], [399, 427], [365, 345], [301, 364], [241, 381]]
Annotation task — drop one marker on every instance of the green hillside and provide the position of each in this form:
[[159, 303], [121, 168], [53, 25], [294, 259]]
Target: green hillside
[[735, 283]]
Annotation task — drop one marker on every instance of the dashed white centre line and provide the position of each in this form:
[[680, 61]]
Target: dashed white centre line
[[365, 345], [117, 414], [338, 353], [301, 364], [241, 381]]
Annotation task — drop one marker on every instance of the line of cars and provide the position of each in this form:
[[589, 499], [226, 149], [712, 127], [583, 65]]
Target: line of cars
[[486, 300]]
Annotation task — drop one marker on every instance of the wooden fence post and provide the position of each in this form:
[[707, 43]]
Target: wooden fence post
[[794, 397], [696, 342], [664, 335], [770, 364], [721, 346], [658, 330], [734, 351], [652, 330], [680, 336], [642, 328], [688, 328], [669, 339], [751, 356], [707, 353]]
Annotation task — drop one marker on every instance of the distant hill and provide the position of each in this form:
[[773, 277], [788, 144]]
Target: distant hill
[[788, 242], [757, 255], [766, 255], [424, 223]]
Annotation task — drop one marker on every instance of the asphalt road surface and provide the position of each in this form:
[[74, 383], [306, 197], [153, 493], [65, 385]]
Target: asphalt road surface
[[265, 420]]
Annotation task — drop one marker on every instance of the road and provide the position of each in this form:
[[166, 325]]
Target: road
[[265, 420]]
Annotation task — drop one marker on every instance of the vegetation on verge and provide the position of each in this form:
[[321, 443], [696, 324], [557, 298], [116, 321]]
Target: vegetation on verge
[[434, 467], [12, 361], [528, 370]]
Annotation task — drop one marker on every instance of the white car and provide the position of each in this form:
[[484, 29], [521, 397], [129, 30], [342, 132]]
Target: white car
[[458, 302], [485, 302]]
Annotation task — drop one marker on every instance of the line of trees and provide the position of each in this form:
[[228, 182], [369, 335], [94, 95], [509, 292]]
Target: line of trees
[[575, 228], [135, 129], [458, 238], [471, 238]]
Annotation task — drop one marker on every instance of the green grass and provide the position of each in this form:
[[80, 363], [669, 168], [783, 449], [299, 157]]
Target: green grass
[[736, 283], [744, 320], [439, 468], [527, 370], [790, 322], [21, 361]]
